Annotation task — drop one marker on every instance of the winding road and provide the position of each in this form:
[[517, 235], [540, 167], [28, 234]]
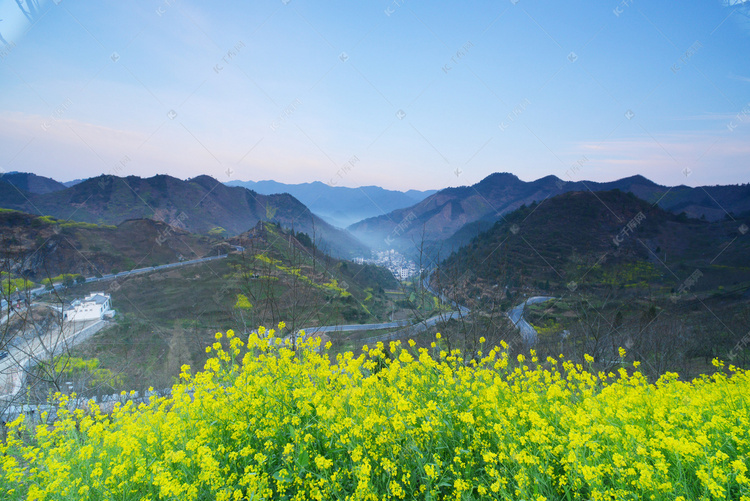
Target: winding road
[[408, 327], [528, 333], [113, 276]]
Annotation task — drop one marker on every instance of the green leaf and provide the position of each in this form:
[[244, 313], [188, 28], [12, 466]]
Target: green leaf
[[303, 460]]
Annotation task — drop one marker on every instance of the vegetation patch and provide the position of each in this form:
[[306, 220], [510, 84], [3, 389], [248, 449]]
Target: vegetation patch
[[10, 285], [263, 421]]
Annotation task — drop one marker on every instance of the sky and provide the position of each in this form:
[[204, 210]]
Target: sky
[[403, 94]]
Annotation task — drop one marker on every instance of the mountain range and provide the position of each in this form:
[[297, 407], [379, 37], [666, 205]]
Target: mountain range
[[199, 205], [339, 205], [447, 219], [453, 216]]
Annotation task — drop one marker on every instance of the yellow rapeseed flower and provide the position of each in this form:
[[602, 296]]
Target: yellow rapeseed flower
[[393, 423]]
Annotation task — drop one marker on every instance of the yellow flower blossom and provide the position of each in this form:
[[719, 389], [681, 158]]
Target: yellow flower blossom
[[392, 422]]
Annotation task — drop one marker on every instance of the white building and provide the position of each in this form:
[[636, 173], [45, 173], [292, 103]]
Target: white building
[[95, 306]]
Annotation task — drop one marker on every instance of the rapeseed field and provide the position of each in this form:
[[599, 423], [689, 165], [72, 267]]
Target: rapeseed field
[[263, 421]]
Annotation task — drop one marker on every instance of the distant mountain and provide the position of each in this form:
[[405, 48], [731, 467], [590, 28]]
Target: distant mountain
[[31, 182], [454, 215], [199, 205], [339, 205], [607, 238], [74, 182], [11, 196]]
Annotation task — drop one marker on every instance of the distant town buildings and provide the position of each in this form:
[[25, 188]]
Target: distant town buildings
[[404, 273], [402, 268], [95, 306]]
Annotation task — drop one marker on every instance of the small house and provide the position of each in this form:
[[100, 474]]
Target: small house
[[95, 306]]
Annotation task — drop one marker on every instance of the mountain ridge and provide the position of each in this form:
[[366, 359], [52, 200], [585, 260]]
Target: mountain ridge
[[32, 183], [200, 205], [453, 213]]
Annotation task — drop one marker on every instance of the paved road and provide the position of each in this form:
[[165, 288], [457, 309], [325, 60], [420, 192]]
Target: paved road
[[528, 332], [23, 352], [443, 297], [6, 316], [409, 326], [111, 276], [356, 327]]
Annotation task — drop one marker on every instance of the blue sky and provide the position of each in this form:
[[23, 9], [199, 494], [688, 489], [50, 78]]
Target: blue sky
[[402, 93]]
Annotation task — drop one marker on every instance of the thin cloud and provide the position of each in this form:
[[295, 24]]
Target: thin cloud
[[740, 78], [665, 159], [711, 117]]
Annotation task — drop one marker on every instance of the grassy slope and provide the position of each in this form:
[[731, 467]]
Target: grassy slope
[[165, 319], [571, 238]]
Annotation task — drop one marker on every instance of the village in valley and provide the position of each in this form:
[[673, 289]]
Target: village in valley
[[401, 267]]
